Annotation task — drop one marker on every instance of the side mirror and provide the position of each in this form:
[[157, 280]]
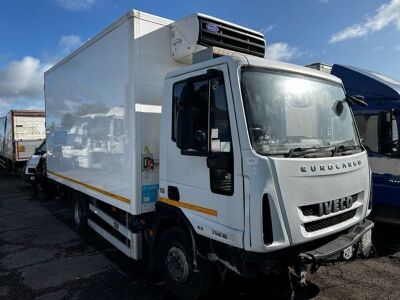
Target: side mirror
[[184, 138], [184, 119], [356, 99]]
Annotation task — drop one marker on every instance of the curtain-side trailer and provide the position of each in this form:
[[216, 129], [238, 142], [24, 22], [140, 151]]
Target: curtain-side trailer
[[180, 144], [21, 131]]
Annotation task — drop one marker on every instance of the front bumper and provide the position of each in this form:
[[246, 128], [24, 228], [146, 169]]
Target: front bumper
[[333, 250], [29, 176]]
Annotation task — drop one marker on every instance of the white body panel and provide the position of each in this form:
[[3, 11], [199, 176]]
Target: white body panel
[[103, 112], [20, 133]]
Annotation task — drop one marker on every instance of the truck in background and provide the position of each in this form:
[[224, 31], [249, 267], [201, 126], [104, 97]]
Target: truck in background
[[21, 132], [231, 162], [378, 125], [34, 170]]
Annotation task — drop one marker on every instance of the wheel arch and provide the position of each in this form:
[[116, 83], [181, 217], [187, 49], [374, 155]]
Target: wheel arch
[[166, 217]]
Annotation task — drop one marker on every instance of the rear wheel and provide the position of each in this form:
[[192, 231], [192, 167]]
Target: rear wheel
[[80, 211], [175, 260], [10, 166]]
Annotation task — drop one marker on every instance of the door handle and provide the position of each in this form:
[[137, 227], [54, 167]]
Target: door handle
[[173, 193]]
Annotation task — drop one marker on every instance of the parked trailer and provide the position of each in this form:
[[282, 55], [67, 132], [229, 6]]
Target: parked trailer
[[180, 144], [21, 131], [378, 125]]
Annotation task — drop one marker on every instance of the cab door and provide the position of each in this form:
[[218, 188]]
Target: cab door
[[203, 175]]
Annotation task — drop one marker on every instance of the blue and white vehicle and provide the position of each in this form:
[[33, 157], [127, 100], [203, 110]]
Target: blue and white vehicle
[[378, 127]]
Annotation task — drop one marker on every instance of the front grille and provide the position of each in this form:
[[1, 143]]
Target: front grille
[[328, 222], [314, 209], [31, 170], [229, 37]]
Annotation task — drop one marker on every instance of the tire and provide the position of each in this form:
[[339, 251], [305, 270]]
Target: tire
[[10, 167], [175, 261], [80, 211]]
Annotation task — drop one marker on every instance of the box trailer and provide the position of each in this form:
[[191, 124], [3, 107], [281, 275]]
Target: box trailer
[[180, 144], [21, 131]]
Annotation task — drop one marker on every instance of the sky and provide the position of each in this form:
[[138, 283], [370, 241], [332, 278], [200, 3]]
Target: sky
[[35, 34]]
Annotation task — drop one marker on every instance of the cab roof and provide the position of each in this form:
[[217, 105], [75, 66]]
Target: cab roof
[[249, 60], [371, 85]]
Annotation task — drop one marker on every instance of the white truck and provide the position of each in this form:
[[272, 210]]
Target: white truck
[[228, 161], [21, 131]]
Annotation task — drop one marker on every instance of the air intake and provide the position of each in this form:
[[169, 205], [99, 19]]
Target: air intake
[[198, 32]]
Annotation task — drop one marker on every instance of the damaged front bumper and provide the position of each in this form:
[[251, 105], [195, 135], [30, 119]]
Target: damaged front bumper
[[344, 246]]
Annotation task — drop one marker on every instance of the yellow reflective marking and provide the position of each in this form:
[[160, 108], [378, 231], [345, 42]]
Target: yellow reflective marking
[[203, 210], [96, 189]]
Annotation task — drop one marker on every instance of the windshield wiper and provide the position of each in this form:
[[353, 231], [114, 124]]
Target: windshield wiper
[[308, 150], [346, 148]]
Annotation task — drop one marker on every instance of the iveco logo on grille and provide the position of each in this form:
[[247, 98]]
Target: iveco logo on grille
[[329, 207], [330, 167], [212, 27]]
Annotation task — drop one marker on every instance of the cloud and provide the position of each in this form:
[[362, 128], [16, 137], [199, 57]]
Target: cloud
[[69, 43], [377, 49], [21, 81], [386, 15], [397, 48], [22, 78], [282, 51], [76, 5], [21, 84], [268, 28]]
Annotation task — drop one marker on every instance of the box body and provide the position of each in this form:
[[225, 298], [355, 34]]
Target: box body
[[103, 105], [20, 133]]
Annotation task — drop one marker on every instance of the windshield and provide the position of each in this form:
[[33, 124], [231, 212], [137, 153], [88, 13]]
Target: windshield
[[286, 111], [41, 149]]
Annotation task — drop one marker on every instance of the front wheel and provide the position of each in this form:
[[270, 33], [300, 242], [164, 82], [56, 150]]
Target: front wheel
[[175, 260]]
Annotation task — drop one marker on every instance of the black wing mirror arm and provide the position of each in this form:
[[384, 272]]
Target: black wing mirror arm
[[356, 99]]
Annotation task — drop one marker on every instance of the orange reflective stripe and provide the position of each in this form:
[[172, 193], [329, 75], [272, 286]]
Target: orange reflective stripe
[[203, 210], [96, 189]]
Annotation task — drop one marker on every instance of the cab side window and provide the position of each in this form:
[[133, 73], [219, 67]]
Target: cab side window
[[379, 132], [191, 102], [368, 129], [200, 125]]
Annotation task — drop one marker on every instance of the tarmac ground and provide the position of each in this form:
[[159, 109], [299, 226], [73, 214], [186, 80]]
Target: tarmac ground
[[43, 256]]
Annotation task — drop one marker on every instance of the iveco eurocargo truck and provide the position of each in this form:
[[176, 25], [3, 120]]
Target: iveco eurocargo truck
[[181, 144]]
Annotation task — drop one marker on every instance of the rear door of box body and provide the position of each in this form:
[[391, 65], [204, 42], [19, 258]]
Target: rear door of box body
[[29, 132]]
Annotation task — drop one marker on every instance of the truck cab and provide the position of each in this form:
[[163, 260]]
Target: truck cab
[[258, 155]]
